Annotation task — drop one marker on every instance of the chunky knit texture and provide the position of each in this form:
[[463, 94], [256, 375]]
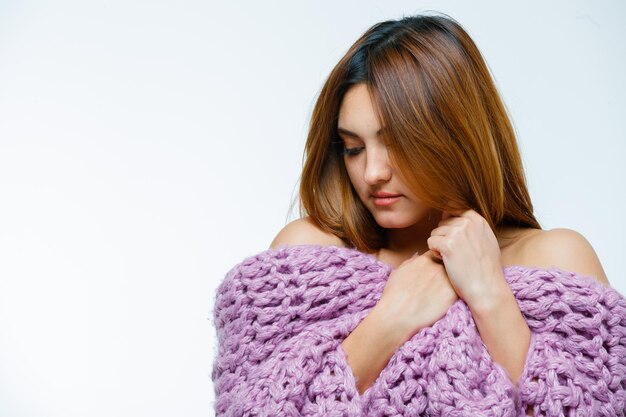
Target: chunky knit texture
[[282, 314]]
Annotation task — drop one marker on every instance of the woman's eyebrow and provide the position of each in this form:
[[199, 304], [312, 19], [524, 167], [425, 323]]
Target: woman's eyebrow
[[352, 134]]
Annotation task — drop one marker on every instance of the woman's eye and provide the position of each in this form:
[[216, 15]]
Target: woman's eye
[[351, 151]]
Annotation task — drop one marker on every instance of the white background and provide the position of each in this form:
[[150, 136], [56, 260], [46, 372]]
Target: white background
[[148, 147]]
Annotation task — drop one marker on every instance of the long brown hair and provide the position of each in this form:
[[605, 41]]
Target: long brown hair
[[447, 130]]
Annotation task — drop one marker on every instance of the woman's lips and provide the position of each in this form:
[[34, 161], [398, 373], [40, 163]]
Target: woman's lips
[[385, 201], [384, 194]]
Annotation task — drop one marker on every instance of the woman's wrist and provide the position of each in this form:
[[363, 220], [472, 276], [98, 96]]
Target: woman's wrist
[[399, 323]]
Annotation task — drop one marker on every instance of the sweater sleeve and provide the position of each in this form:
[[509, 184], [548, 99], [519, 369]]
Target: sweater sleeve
[[443, 370], [307, 375], [279, 350], [576, 362]]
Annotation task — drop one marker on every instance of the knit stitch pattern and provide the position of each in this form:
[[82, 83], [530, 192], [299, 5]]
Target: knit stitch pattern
[[282, 314]]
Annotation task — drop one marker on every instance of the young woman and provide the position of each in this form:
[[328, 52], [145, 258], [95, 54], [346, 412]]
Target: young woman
[[411, 156], [418, 281]]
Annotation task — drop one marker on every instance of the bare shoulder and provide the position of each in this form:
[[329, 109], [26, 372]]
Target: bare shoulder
[[304, 232], [566, 249]]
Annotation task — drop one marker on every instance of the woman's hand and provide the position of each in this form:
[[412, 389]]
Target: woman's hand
[[417, 294], [470, 253]]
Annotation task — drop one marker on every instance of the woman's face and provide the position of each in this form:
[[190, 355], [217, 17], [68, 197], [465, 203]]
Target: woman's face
[[368, 163]]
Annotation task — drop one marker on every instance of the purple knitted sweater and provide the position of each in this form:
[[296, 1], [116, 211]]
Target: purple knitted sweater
[[282, 314]]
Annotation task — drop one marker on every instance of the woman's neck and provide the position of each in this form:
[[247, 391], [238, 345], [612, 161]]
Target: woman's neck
[[412, 239], [403, 243]]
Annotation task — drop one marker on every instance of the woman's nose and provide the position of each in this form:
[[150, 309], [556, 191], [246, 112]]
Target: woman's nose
[[377, 167]]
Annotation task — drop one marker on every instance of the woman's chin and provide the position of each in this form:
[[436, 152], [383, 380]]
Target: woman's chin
[[391, 220]]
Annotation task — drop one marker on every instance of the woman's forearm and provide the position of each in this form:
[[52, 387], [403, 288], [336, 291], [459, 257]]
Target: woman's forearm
[[504, 330], [371, 344]]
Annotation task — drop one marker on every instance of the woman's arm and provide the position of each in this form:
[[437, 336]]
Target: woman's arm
[[370, 346], [502, 326], [499, 320], [372, 343], [503, 329]]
